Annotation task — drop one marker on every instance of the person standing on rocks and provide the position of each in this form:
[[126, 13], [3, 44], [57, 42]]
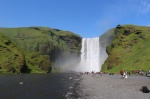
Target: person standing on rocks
[[125, 75], [121, 73], [101, 73], [146, 73], [93, 74]]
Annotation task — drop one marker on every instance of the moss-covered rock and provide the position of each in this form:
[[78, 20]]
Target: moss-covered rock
[[12, 59], [129, 50]]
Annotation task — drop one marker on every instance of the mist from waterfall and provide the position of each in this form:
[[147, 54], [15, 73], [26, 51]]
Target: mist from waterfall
[[93, 55], [88, 61]]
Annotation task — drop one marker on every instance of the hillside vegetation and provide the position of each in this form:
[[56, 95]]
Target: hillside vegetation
[[129, 50], [42, 49], [34, 49]]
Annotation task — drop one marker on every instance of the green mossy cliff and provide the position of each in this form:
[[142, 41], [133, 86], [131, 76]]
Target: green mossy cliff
[[9, 54], [129, 50], [34, 49]]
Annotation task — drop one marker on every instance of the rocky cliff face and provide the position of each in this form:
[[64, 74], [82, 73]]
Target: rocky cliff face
[[35, 49], [129, 50]]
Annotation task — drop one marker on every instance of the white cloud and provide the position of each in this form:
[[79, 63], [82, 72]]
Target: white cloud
[[111, 16], [129, 11], [144, 7]]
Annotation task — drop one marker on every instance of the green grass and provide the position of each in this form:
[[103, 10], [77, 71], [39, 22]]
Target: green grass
[[32, 49], [130, 52]]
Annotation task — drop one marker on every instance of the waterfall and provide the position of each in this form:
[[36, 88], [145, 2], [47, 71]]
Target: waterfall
[[90, 55]]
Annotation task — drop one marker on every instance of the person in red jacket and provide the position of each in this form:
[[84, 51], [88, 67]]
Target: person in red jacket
[[121, 72]]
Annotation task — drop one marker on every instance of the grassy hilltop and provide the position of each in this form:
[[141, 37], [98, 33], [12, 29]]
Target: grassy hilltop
[[129, 50], [34, 49]]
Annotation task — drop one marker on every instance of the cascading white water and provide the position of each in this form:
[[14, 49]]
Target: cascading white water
[[90, 55]]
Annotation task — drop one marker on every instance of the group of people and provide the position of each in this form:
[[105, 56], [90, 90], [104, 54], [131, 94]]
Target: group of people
[[124, 74], [86, 73]]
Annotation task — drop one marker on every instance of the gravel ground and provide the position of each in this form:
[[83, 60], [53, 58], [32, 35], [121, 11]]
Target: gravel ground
[[111, 87]]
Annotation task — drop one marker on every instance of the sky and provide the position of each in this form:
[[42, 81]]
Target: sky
[[87, 18]]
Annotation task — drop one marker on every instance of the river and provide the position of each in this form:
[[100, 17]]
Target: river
[[36, 86]]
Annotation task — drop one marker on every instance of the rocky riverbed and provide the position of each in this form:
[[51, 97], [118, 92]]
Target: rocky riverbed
[[111, 87]]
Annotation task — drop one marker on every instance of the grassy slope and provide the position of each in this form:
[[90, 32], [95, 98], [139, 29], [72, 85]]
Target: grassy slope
[[40, 44], [129, 50], [12, 59]]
